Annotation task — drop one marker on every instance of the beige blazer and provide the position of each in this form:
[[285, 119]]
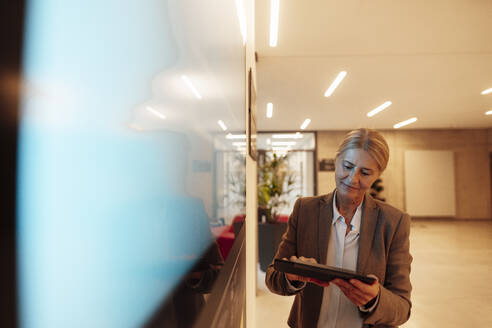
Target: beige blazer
[[383, 251]]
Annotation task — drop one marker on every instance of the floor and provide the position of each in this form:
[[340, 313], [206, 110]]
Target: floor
[[451, 278]]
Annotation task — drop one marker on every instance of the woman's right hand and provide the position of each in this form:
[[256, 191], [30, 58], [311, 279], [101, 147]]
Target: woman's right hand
[[295, 277]]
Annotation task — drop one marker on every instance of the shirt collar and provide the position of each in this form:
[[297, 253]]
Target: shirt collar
[[355, 223]]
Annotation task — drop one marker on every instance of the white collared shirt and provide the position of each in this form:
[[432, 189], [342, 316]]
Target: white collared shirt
[[336, 309]]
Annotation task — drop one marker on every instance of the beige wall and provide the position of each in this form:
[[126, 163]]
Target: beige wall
[[472, 166]]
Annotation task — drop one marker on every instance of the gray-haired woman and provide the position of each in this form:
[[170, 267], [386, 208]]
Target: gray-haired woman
[[349, 229]]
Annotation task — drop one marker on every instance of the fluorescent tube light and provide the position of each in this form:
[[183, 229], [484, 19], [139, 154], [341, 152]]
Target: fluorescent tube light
[[379, 108], [283, 143], [269, 112], [239, 144], [335, 83], [488, 112], [409, 121], [191, 86], [156, 113], [235, 136], [297, 135], [489, 90], [274, 13], [305, 123], [241, 15], [222, 125]]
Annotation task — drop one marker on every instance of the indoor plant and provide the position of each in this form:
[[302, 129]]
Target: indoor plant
[[275, 182]]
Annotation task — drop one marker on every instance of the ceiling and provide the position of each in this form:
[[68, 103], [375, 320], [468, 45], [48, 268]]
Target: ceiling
[[431, 59]]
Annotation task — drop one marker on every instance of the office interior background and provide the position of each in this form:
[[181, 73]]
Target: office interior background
[[140, 140]]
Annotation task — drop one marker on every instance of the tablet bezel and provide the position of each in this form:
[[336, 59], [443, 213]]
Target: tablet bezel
[[319, 271]]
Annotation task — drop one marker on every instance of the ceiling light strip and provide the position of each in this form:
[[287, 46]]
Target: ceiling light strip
[[297, 135], [283, 143], [305, 123], [406, 122], [222, 125], [488, 112], [335, 83], [269, 112], [379, 108], [191, 86], [156, 113], [274, 14], [235, 136], [489, 90]]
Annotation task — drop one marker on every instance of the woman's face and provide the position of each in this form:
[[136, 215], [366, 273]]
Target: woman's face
[[355, 172]]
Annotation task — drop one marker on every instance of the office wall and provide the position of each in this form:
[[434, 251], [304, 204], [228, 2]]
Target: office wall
[[433, 192], [472, 168]]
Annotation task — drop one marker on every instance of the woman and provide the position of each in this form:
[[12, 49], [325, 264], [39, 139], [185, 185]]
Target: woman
[[351, 230]]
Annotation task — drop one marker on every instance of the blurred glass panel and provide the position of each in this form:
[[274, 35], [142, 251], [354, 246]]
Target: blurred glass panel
[[117, 161]]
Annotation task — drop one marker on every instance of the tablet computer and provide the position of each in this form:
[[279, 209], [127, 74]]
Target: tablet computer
[[319, 271]]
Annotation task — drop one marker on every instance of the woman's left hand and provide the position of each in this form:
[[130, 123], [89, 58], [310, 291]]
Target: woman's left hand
[[358, 292]]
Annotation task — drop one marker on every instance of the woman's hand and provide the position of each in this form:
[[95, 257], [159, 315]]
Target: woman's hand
[[358, 292], [295, 277]]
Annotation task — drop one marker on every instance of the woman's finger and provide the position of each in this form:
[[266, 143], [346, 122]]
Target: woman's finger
[[363, 286], [342, 283], [369, 291], [307, 259], [361, 294], [352, 297], [352, 287], [356, 296]]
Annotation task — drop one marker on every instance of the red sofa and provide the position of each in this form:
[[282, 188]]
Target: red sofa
[[225, 235]]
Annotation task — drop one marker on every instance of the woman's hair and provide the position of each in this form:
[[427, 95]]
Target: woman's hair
[[369, 140]]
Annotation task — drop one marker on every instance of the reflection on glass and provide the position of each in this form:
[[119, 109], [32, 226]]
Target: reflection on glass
[[182, 307], [117, 161]]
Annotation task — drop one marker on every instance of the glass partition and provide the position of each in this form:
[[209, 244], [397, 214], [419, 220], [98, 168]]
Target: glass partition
[[231, 176], [290, 157], [117, 160]]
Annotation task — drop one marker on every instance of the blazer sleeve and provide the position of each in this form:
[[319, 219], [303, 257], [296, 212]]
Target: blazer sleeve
[[394, 299], [276, 281]]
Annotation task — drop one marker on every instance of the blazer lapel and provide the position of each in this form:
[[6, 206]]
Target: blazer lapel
[[368, 226], [324, 226]]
